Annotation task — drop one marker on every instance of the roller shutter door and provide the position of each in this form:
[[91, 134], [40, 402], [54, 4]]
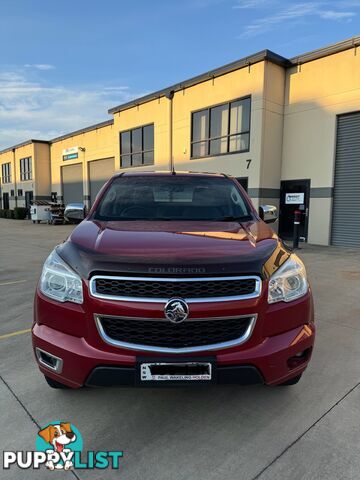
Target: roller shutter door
[[346, 204], [72, 183], [99, 172]]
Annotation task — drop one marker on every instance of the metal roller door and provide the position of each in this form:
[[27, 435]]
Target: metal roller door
[[99, 172], [72, 183], [346, 204]]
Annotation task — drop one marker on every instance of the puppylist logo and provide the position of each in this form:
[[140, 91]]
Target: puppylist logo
[[59, 446]]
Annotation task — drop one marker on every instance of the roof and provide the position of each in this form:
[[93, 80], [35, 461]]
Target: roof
[[326, 51], [217, 72], [243, 62], [62, 137], [230, 67], [23, 144], [83, 130]]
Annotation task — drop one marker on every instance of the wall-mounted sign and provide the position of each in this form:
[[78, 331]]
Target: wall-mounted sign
[[70, 150], [70, 153], [294, 198]]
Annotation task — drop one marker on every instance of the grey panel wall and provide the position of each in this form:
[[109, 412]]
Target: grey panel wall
[[99, 172], [346, 203], [72, 183]]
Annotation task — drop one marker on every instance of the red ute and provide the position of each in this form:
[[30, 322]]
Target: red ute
[[173, 278]]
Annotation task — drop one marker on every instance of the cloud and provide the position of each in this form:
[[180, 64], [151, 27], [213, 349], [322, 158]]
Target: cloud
[[40, 66], [293, 13], [248, 4], [34, 109], [348, 3], [332, 15], [116, 89]]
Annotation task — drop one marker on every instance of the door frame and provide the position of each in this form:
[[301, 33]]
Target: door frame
[[247, 182], [307, 202], [29, 196], [5, 194]]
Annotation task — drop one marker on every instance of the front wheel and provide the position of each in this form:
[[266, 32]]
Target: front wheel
[[291, 381]]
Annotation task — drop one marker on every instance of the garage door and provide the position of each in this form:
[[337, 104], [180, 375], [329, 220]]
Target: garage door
[[99, 172], [72, 183], [346, 205]]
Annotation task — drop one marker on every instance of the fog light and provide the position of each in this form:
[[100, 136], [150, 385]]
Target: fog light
[[49, 361], [299, 358]]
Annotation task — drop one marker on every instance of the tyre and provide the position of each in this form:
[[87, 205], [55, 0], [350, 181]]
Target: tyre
[[54, 384], [291, 381]]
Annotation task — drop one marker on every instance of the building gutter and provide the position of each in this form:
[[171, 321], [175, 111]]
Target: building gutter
[[230, 67]]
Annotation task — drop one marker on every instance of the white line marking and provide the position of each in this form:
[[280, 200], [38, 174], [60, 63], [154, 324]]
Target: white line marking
[[12, 334], [12, 283]]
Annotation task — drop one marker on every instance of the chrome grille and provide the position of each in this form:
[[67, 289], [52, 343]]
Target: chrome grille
[[161, 289], [163, 336]]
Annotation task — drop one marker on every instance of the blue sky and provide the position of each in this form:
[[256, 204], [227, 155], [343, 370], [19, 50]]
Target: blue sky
[[64, 63]]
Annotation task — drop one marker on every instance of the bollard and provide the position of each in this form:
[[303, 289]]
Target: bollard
[[297, 216]]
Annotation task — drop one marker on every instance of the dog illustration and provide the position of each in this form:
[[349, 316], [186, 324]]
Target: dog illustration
[[58, 436]]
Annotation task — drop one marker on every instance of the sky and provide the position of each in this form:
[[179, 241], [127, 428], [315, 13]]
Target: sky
[[64, 63]]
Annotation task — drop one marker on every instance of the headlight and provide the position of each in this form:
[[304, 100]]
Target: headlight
[[289, 282], [59, 282]]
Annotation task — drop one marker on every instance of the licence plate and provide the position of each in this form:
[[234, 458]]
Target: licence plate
[[187, 371]]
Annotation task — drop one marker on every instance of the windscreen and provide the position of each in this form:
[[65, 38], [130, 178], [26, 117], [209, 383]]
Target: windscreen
[[172, 197]]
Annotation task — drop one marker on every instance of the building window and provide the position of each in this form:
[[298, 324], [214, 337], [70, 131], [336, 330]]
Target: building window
[[137, 147], [20, 192], [6, 172], [12, 193], [221, 129], [25, 168]]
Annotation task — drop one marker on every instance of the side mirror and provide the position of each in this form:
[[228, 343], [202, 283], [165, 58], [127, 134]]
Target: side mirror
[[74, 212], [268, 213]]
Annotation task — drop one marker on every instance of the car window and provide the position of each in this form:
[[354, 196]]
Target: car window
[[172, 197]]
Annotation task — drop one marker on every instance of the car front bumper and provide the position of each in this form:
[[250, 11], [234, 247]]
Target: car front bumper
[[273, 361]]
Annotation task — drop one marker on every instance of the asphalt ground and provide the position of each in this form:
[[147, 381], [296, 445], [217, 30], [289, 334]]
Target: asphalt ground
[[307, 431]]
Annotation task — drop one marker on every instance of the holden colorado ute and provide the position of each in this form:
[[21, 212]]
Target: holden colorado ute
[[173, 279]]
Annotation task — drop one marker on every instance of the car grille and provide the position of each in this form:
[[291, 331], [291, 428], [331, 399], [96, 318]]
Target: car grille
[[163, 289], [164, 334]]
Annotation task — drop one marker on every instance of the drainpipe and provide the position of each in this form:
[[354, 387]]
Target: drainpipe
[[15, 184], [85, 172], [170, 96]]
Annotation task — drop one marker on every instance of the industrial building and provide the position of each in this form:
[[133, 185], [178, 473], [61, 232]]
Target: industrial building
[[25, 174], [288, 129]]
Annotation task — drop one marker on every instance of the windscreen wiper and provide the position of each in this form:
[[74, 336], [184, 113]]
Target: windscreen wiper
[[231, 218]]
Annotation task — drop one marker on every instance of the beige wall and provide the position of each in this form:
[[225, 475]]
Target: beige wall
[[273, 116], [40, 182], [8, 157], [16, 183], [316, 93], [240, 83], [42, 170], [156, 112], [293, 132], [99, 143]]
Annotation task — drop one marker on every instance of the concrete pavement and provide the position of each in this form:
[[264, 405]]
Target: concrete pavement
[[308, 431]]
